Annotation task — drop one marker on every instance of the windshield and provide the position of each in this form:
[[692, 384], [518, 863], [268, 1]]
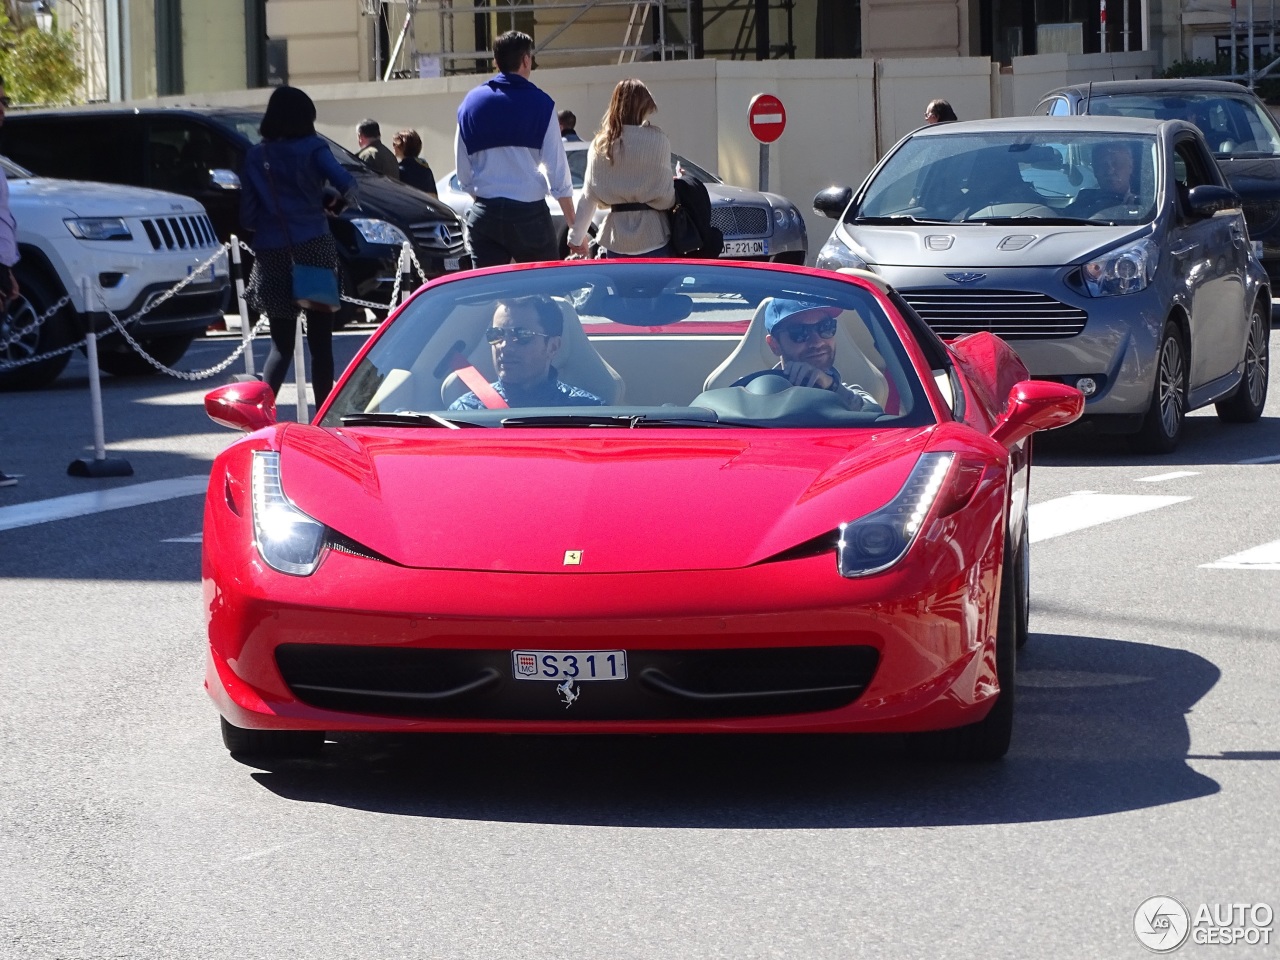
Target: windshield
[[981, 177], [679, 166], [634, 344], [246, 124], [1234, 126]]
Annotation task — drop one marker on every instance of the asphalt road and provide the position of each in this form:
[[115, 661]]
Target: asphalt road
[[1146, 759]]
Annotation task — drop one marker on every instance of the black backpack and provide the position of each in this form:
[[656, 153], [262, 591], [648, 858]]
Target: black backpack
[[692, 234]]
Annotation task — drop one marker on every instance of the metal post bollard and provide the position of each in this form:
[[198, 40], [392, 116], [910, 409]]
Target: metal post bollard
[[406, 274], [300, 371], [101, 465], [246, 331]]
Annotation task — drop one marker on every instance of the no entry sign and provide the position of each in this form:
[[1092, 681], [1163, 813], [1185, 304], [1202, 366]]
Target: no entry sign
[[766, 117]]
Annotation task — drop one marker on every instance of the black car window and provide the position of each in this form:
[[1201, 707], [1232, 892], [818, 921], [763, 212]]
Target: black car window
[[77, 147], [181, 154]]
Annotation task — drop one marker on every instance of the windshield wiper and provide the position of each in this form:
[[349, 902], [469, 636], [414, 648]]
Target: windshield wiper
[[629, 421], [897, 218], [404, 419], [1046, 221]]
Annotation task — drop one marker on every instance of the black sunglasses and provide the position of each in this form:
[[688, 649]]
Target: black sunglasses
[[517, 335], [801, 332]]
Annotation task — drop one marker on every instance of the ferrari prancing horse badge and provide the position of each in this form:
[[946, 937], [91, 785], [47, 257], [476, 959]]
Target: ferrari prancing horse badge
[[572, 558]]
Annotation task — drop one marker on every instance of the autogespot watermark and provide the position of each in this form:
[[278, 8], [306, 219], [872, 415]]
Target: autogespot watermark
[[1163, 924]]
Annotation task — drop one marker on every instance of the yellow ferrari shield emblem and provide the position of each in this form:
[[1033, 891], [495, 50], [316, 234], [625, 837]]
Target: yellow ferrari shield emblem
[[572, 558]]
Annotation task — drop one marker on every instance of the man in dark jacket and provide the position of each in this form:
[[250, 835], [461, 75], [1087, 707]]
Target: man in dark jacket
[[507, 127], [372, 151]]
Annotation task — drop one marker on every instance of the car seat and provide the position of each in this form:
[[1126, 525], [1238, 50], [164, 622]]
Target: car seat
[[753, 354], [577, 363]]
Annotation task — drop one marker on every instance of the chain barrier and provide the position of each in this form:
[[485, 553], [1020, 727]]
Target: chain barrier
[[121, 326]]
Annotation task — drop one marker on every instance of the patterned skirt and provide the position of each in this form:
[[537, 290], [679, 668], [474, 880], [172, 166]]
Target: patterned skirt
[[271, 280]]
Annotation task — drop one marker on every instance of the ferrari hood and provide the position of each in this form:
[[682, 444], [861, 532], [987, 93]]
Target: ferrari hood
[[990, 246], [523, 501]]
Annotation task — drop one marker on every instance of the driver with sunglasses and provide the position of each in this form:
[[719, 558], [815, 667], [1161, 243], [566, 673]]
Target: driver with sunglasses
[[525, 338], [803, 335]]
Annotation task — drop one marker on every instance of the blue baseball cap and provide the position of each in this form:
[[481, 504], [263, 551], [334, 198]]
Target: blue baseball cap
[[779, 310]]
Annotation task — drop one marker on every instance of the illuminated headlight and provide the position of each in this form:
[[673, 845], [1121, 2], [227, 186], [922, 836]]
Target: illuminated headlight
[[288, 539], [1127, 270], [834, 255], [99, 228], [879, 540], [379, 231]]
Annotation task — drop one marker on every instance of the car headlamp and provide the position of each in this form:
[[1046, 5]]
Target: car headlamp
[[288, 539], [1127, 270], [379, 231], [877, 541], [835, 255], [99, 228], [779, 216]]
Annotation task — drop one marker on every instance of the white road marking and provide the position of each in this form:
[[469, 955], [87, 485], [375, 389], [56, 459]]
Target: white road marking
[[99, 501], [1176, 475], [1265, 557], [1053, 518], [193, 538], [1275, 458]]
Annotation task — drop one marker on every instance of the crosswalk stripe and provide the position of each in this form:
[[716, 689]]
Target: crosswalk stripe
[[1053, 518], [115, 498], [1265, 557]]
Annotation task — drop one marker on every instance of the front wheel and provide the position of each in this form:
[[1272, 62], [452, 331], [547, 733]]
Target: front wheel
[[280, 744], [21, 338], [1249, 399], [1162, 426]]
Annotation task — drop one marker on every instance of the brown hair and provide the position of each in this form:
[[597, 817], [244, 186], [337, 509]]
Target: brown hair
[[630, 104], [407, 142]]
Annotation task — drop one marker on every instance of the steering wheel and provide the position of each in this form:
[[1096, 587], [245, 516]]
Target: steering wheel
[[764, 386]]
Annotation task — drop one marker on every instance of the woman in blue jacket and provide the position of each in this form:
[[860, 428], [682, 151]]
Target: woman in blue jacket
[[285, 204]]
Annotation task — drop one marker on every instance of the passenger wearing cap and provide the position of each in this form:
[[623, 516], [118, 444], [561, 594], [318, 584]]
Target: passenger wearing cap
[[525, 337], [803, 336]]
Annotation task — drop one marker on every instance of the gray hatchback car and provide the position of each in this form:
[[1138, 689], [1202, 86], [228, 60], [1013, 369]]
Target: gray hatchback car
[[1108, 251]]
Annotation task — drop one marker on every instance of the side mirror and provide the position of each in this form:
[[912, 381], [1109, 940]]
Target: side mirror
[[1208, 199], [247, 406], [224, 179], [1037, 405], [832, 201]]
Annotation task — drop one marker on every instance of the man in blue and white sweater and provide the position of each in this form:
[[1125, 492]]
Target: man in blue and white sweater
[[507, 129]]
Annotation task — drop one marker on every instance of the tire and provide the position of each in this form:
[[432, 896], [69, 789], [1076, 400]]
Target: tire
[[56, 332], [280, 744], [117, 358], [988, 739], [1022, 590], [1162, 426], [1249, 399]]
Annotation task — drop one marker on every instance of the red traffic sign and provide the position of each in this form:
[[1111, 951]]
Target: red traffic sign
[[766, 117]]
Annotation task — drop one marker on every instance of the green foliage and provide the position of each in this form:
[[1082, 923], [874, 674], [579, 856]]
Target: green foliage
[[38, 68], [1268, 88]]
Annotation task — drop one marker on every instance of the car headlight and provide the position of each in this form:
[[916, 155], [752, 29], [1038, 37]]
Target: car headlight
[[779, 216], [99, 228], [797, 218], [834, 255], [288, 539], [877, 541], [1127, 270], [379, 231]]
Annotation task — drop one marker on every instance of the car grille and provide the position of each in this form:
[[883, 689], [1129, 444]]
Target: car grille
[[661, 684], [738, 221], [437, 234], [1011, 314], [179, 233], [1261, 217]]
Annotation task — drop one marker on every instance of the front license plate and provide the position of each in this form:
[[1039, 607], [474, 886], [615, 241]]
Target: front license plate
[[452, 263], [577, 665], [745, 248]]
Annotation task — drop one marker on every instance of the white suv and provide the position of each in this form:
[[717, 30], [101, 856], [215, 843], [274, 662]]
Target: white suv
[[132, 245]]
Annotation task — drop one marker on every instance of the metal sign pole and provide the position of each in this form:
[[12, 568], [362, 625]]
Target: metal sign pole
[[299, 370], [100, 465], [246, 333], [764, 167]]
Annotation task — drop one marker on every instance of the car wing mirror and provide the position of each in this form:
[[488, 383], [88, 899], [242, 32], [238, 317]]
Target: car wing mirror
[[224, 179], [247, 406], [1209, 199], [1037, 405], [831, 202]]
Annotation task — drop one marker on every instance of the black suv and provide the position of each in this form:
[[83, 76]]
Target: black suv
[[1238, 127], [198, 151]]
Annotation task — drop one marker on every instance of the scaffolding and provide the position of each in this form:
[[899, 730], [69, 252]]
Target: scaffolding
[[575, 31]]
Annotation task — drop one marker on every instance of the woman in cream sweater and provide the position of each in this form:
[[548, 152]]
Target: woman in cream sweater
[[628, 171]]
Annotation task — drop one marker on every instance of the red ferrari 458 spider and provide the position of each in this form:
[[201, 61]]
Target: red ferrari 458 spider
[[632, 496]]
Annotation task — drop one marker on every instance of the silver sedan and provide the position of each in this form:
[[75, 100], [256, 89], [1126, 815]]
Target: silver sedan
[[1108, 250], [756, 225]]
